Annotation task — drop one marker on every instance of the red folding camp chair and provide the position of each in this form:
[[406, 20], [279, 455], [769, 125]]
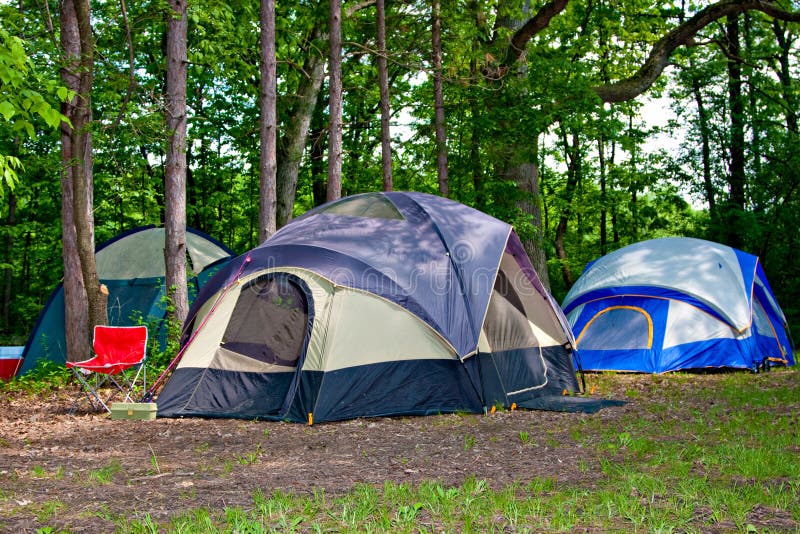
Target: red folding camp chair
[[118, 363]]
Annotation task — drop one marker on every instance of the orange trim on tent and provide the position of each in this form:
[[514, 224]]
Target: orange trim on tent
[[611, 308]]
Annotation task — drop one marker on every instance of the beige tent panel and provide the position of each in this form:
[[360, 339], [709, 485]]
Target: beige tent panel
[[544, 337], [200, 253], [366, 329], [141, 255], [351, 327], [538, 308], [483, 342], [207, 338], [227, 360], [505, 327]]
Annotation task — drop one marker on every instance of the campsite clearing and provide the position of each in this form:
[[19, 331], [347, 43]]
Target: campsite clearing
[[705, 452]]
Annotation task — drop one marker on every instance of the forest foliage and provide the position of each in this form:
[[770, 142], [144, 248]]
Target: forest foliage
[[692, 156]]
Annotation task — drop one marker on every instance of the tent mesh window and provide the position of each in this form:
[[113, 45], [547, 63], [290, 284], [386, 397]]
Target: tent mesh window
[[269, 321], [617, 328], [371, 206]]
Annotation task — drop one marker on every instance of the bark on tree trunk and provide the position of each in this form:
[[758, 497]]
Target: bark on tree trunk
[[319, 175], [601, 159], [526, 176], [573, 158], [785, 75], [383, 80], [438, 97], [736, 177], [752, 103], [85, 305], [705, 147], [294, 141], [5, 315], [268, 165], [335, 112], [175, 172], [84, 182]]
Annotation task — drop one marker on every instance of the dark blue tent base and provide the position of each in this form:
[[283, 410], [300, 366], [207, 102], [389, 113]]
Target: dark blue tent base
[[565, 403]]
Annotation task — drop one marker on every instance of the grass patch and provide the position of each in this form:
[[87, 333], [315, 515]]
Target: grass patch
[[105, 474], [696, 454]]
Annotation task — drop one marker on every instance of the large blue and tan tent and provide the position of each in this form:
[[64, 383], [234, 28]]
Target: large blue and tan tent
[[131, 265], [376, 304], [676, 303]]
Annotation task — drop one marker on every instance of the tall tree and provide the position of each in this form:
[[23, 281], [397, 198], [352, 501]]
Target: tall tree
[[602, 169], [295, 136], [785, 41], [335, 104], [383, 80], [736, 172], [268, 164], [175, 171], [438, 97], [85, 299], [574, 159], [705, 143], [624, 89], [8, 272]]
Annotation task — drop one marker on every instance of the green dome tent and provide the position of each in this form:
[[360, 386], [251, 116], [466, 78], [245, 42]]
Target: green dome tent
[[131, 265]]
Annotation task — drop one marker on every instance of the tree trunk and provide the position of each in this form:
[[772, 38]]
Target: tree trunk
[[752, 102], [335, 110], [601, 160], [526, 176], [475, 136], [319, 182], [84, 181], [293, 142], [785, 76], [8, 272], [438, 98], [518, 161], [573, 158], [614, 225], [736, 176], [383, 80], [705, 144], [85, 303], [268, 165], [175, 173]]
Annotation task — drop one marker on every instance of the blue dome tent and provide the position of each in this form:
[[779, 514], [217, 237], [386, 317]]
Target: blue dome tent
[[376, 304], [676, 303]]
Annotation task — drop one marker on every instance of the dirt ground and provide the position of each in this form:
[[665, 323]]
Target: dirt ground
[[165, 466]]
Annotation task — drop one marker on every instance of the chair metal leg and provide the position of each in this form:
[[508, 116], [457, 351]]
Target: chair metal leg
[[121, 384], [90, 392]]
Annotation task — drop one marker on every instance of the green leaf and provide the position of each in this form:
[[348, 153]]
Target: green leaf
[[29, 129], [7, 110], [52, 117]]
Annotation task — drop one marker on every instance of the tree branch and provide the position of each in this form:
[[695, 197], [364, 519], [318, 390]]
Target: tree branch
[[658, 59], [349, 11], [532, 27]]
